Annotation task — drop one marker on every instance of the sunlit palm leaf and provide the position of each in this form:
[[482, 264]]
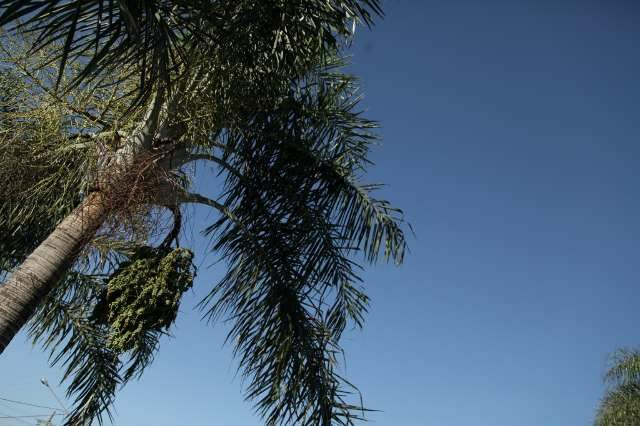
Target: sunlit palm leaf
[[626, 367], [620, 407], [621, 404], [153, 37]]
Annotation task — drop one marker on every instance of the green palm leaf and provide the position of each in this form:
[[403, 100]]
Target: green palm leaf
[[294, 217], [621, 403], [153, 38]]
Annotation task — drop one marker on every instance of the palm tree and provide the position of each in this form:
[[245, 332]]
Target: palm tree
[[116, 100], [621, 403]]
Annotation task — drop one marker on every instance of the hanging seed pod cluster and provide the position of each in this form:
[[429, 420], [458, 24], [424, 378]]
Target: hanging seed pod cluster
[[144, 294]]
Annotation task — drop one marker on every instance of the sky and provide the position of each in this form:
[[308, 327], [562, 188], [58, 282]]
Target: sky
[[510, 139]]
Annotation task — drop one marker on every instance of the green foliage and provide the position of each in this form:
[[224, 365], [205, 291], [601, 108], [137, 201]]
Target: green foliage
[[620, 407], [625, 368], [63, 325], [621, 403], [156, 39], [260, 93], [294, 215], [144, 295], [49, 155], [41, 174], [104, 329]]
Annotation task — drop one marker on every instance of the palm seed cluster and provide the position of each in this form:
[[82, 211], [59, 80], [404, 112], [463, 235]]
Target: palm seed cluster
[[144, 295]]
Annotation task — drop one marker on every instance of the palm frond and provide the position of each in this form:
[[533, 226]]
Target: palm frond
[[620, 407], [625, 368], [74, 327], [40, 182], [294, 216], [142, 354], [64, 327], [154, 38]]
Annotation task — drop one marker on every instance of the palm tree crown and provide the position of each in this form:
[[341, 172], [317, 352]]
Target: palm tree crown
[[621, 403], [254, 88]]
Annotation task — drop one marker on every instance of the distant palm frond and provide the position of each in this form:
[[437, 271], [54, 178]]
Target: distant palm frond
[[621, 403]]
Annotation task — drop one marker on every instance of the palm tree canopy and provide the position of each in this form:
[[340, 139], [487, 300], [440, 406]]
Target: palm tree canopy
[[257, 90], [153, 38], [621, 403]]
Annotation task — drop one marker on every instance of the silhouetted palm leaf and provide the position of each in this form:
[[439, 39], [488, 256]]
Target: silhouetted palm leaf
[[295, 216], [153, 38]]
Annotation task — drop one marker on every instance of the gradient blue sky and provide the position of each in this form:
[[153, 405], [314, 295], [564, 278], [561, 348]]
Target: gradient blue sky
[[511, 139]]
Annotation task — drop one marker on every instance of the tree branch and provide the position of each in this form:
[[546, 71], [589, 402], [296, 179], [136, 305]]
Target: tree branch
[[175, 230], [195, 198], [181, 157]]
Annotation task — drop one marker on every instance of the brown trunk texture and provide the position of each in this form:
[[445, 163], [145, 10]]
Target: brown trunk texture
[[28, 285]]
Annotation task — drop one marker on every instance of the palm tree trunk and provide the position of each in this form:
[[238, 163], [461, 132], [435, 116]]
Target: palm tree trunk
[[31, 282]]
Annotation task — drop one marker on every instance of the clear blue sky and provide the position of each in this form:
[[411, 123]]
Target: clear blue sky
[[511, 139]]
